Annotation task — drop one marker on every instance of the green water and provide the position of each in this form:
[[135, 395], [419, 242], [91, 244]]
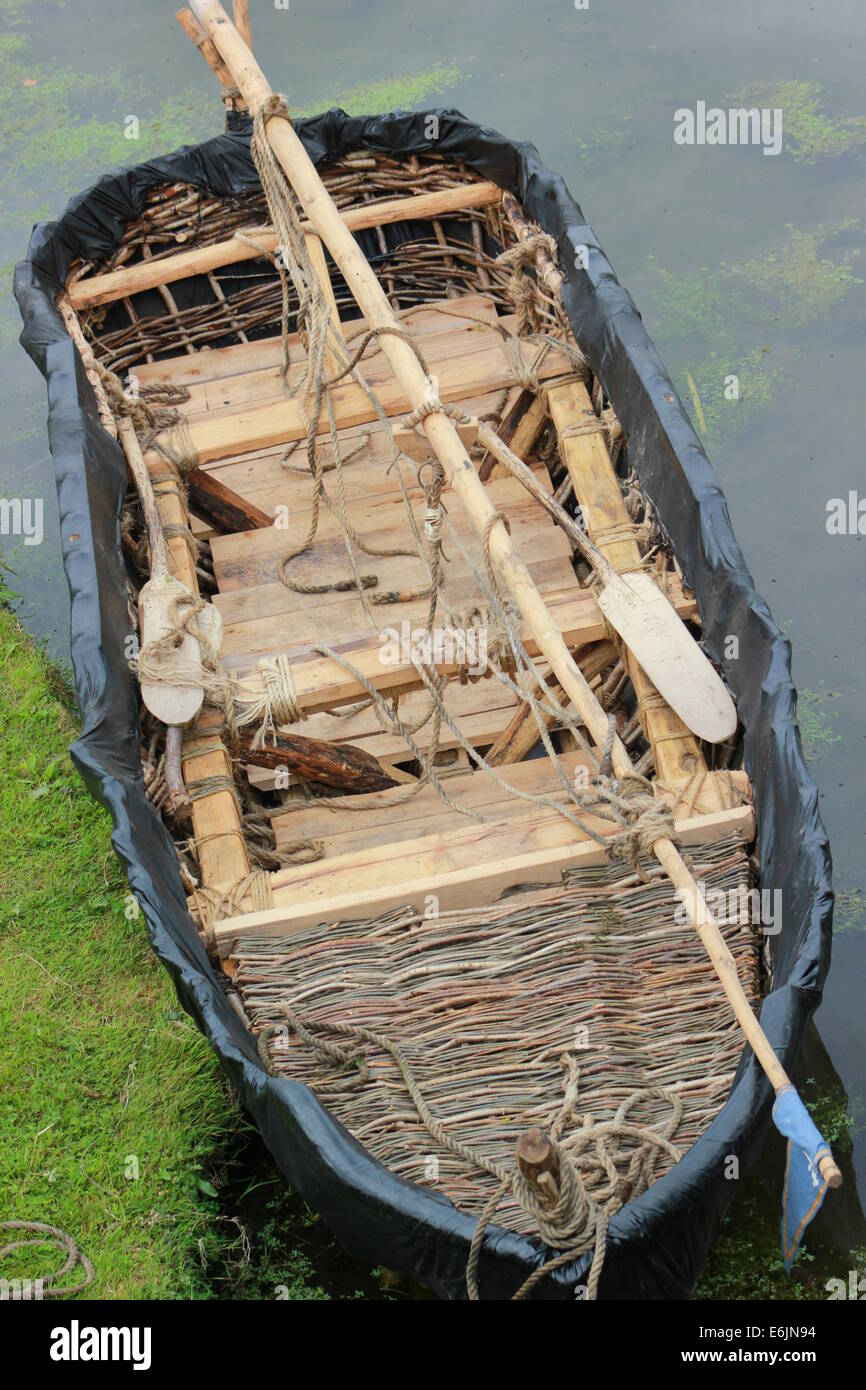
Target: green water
[[741, 264]]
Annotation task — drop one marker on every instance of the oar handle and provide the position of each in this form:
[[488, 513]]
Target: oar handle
[[506, 456], [829, 1171]]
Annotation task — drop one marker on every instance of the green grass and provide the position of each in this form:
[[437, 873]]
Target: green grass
[[112, 1106], [116, 1123]]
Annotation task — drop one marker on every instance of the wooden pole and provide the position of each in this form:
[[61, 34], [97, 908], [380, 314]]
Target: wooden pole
[[190, 27], [463, 478], [241, 11]]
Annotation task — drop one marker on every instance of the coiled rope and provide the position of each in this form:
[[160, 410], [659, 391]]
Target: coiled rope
[[621, 1152], [42, 1234]]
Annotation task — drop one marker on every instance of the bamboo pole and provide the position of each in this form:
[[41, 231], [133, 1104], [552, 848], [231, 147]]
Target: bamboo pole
[[460, 471], [241, 12]]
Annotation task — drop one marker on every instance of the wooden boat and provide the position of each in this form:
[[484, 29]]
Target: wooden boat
[[441, 834]]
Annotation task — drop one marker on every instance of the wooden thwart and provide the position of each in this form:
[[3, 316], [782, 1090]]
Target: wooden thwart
[[215, 364], [462, 867], [463, 369], [322, 683]]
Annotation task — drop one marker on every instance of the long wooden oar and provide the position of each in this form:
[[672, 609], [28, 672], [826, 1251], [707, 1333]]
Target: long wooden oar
[[172, 704], [158, 604], [635, 606], [632, 603], [463, 478]]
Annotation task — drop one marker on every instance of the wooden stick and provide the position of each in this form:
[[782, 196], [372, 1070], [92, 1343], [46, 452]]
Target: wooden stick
[[320, 265], [462, 476], [178, 802], [147, 275], [522, 733], [538, 1163], [221, 507], [222, 853], [85, 352], [340, 765], [187, 22], [519, 436], [241, 12]]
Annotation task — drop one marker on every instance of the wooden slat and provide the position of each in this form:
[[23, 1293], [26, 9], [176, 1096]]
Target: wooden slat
[[249, 559], [353, 823], [448, 342], [322, 683], [464, 867], [484, 368], [213, 364], [224, 509], [676, 752], [261, 477], [115, 284]]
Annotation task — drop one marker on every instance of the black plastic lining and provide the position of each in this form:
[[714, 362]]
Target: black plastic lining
[[657, 1244]]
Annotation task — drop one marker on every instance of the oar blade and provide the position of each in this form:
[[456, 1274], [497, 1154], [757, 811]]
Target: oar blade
[[805, 1185], [172, 702], [638, 610]]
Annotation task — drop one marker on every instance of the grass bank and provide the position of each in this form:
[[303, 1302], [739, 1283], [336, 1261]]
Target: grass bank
[[116, 1123]]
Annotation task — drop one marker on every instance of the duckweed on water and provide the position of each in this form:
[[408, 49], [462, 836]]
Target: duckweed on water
[[816, 731], [850, 911], [390, 93], [808, 132], [713, 322], [799, 283]]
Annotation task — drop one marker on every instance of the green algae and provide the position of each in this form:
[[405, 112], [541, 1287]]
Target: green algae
[[816, 728], [49, 129], [713, 321], [808, 132], [49, 125], [796, 280], [603, 144], [393, 93], [850, 911]]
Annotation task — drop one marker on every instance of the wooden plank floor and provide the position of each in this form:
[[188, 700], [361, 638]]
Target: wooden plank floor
[[463, 364], [381, 848]]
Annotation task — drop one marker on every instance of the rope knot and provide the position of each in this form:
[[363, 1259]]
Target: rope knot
[[273, 105]]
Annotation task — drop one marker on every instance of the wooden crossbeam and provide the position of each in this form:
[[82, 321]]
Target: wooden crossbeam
[[480, 366], [147, 275], [463, 867]]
